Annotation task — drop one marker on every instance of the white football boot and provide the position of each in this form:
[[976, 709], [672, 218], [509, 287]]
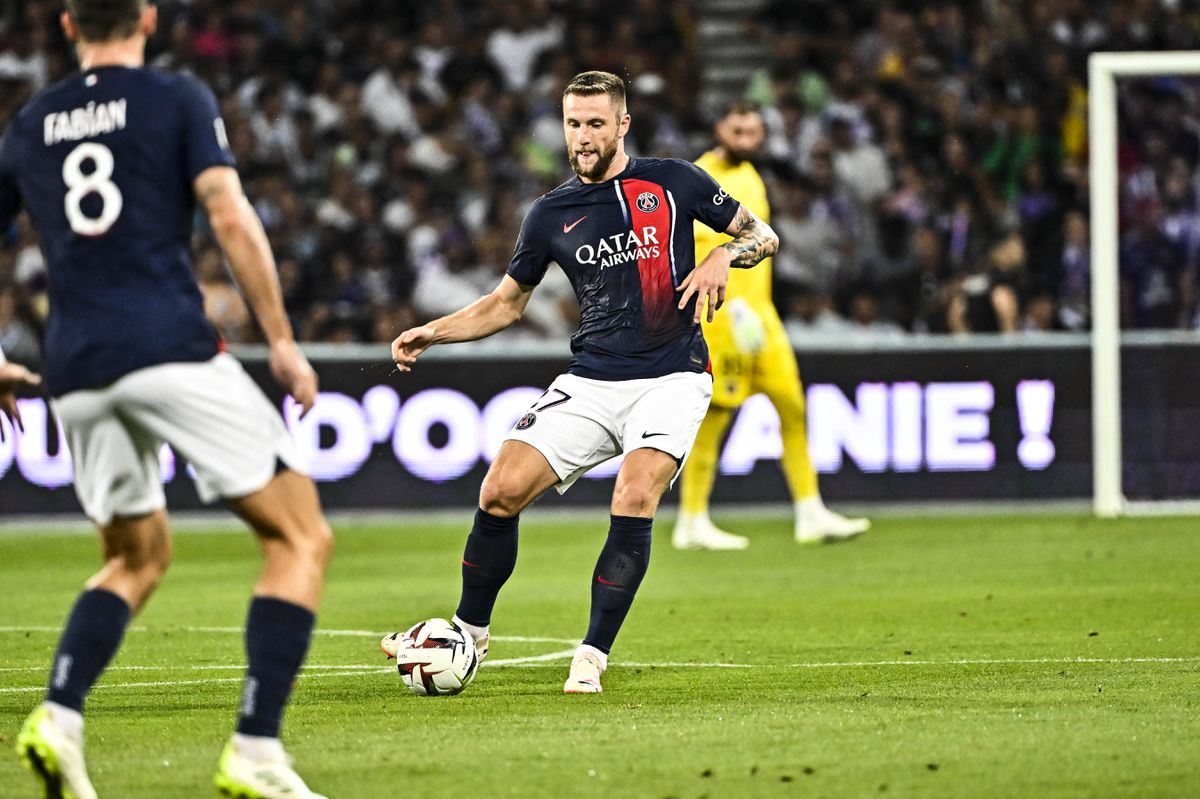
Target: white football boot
[[240, 777], [390, 644], [55, 756], [816, 523], [696, 531], [586, 668]]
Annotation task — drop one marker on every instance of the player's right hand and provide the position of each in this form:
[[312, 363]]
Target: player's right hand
[[13, 375], [293, 371], [409, 344], [707, 283]]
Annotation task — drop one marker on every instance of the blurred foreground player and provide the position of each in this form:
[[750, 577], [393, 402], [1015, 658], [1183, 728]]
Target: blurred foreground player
[[638, 381], [109, 164], [751, 354]]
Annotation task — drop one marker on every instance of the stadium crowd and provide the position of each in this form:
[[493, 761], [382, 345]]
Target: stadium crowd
[[927, 160]]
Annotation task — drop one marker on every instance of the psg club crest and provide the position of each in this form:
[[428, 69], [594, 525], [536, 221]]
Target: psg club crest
[[526, 421], [647, 202]]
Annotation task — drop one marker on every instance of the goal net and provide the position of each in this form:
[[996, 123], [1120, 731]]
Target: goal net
[[1145, 385]]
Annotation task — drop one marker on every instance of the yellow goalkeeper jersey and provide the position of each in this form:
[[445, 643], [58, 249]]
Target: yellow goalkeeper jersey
[[746, 186]]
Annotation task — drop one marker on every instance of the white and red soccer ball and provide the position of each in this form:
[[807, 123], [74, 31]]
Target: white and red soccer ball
[[434, 657]]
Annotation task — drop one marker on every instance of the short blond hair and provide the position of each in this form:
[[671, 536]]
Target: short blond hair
[[595, 82]]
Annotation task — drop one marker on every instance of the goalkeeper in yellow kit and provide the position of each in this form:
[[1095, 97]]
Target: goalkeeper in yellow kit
[[750, 354]]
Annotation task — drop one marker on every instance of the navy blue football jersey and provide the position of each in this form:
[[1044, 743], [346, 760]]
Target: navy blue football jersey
[[626, 244], [104, 162]]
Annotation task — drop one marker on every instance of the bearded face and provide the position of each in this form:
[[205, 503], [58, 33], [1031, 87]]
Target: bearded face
[[593, 126], [741, 136], [592, 161]]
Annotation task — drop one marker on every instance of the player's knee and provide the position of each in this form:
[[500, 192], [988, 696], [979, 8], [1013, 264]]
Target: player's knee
[[636, 498], [303, 536], [144, 557], [790, 406], [791, 418], [324, 542], [501, 495], [313, 540], [505, 506]]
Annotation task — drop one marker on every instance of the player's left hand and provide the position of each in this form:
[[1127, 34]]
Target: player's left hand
[[293, 371], [13, 375], [707, 281], [411, 343]]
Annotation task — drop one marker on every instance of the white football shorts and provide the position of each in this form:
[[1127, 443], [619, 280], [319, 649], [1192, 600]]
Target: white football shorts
[[579, 422], [210, 412]]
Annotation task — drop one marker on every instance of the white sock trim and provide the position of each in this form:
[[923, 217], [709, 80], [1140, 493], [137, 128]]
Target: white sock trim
[[258, 748], [813, 504], [68, 720], [601, 656], [476, 632]]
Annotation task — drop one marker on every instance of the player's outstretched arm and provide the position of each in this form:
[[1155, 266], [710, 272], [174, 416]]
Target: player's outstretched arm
[[753, 240], [241, 236], [489, 314], [13, 376]]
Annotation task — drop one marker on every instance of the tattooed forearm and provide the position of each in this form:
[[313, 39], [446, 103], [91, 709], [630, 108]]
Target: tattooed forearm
[[753, 239]]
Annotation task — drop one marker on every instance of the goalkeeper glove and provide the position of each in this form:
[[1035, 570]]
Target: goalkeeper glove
[[749, 334]]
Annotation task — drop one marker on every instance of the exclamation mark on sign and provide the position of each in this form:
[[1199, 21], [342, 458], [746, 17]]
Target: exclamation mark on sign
[[1035, 406]]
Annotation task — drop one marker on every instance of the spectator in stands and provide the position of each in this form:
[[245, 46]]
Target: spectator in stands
[[813, 247], [934, 288], [515, 46], [808, 313], [18, 339], [387, 95], [1075, 273], [1039, 216], [863, 174], [1155, 286], [1041, 313], [29, 264], [863, 315], [988, 300], [274, 130], [22, 61]]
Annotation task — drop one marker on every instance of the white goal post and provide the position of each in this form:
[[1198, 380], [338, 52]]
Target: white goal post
[[1103, 71]]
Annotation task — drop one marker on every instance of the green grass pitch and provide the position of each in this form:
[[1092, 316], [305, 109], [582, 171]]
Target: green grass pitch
[[1047, 656]]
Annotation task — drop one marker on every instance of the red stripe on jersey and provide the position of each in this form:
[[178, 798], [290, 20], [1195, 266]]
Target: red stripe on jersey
[[649, 209]]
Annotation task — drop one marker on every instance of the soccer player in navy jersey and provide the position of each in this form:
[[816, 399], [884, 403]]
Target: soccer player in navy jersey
[[110, 164], [638, 382]]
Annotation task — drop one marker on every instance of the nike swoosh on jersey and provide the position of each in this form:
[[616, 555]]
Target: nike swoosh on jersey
[[652, 435], [570, 227]]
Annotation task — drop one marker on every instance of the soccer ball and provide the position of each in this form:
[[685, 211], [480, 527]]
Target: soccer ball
[[434, 657]]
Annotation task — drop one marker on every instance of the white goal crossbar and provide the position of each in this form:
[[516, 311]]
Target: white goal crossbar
[[1103, 70]]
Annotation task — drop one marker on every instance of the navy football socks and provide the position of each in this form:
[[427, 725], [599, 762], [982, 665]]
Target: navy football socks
[[619, 571], [488, 561], [91, 637], [277, 636]]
